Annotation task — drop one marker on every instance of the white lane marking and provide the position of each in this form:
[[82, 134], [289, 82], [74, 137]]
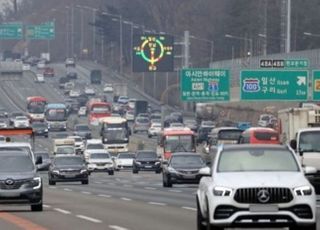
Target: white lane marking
[[46, 206], [115, 227], [67, 189], [125, 199], [104, 195], [89, 218], [149, 188], [62, 211], [98, 182], [174, 190], [156, 203], [85, 192], [189, 208]]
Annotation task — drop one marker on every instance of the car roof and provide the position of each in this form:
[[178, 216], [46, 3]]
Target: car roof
[[15, 144], [97, 151], [185, 154], [94, 141], [67, 156], [255, 146]]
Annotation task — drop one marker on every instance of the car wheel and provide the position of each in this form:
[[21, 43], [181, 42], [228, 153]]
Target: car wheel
[[111, 172], [135, 171], [134, 131], [85, 182], [164, 181], [150, 136], [158, 171], [52, 182], [169, 183], [200, 219], [37, 207]]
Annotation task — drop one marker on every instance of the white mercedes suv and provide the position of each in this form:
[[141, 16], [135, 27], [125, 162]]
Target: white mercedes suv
[[256, 186]]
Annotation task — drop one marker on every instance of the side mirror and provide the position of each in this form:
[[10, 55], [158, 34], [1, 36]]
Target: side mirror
[[293, 144], [206, 171], [309, 170], [39, 160], [165, 162]]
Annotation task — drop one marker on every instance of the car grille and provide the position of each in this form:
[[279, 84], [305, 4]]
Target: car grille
[[188, 171], [16, 184], [70, 171], [263, 195]]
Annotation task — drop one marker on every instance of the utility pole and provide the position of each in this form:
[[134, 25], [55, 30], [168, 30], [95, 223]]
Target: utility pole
[[121, 45], [15, 7], [72, 31], [94, 36], [288, 42]]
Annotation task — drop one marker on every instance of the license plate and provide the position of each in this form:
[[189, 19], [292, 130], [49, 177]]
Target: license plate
[[148, 166], [10, 194], [189, 176], [264, 208]]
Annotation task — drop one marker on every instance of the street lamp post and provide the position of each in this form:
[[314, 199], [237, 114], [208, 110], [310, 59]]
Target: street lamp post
[[311, 34], [206, 40], [244, 39]]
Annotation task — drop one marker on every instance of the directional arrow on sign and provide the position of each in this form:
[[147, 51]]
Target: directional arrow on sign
[[302, 80]]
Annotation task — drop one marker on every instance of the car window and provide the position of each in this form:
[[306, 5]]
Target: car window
[[147, 155], [251, 159], [186, 161], [68, 161], [15, 163], [99, 156]]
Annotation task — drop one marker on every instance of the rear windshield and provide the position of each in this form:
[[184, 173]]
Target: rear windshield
[[266, 136], [143, 120], [147, 155], [229, 134], [95, 146]]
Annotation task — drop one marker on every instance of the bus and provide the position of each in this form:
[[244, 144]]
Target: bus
[[174, 140], [36, 107], [95, 76], [115, 134], [56, 115], [97, 110]]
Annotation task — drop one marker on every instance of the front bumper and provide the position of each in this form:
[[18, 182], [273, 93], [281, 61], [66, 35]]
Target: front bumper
[[147, 167], [68, 177], [100, 168], [226, 212], [21, 196], [184, 178]]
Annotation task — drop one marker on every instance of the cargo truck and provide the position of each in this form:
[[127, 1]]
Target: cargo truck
[[141, 106], [300, 127], [95, 76]]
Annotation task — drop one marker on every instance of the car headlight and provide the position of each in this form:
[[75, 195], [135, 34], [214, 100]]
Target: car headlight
[[83, 171], [56, 171], [171, 170], [138, 163], [222, 191], [105, 139], [303, 191], [36, 182], [46, 130], [157, 163]]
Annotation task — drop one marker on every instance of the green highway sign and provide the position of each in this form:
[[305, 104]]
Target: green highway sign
[[316, 85], [11, 31], [44, 31], [204, 85], [274, 85], [283, 63]]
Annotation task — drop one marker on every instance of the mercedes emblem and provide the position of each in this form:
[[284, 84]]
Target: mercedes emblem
[[263, 196], [9, 182]]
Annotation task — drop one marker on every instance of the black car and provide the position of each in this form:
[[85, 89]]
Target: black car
[[182, 168], [72, 75], [82, 100], [40, 128], [146, 160], [68, 168], [46, 161], [203, 134], [19, 180], [62, 81], [82, 130]]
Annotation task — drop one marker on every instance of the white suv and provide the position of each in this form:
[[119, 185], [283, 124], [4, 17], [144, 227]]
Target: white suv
[[256, 186]]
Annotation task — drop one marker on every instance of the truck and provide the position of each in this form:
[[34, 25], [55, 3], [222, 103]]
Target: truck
[[300, 128], [45, 57], [141, 106], [95, 76], [119, 89]]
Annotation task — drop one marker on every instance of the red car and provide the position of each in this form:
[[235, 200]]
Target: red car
[[48, 72]]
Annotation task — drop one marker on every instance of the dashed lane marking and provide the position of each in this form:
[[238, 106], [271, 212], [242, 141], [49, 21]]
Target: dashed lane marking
[[67, 189], [115, 227], [156, 203], [189, 208], [85, 192], [174, 190], [62, 211], [149, 188], [125, 199], [89, 219], [104, 195]]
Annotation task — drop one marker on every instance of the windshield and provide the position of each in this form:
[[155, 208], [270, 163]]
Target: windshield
[[187, 161], [15, 162], [39, 125], [260, 159], [309, 141], [182, 143], [151, 155], [104, 109], [68, 161], [115, 133], [65, 150], [95, 146], [99, 156], [82, 128], [36, 107], [43, 155], [56, 115], [229, 134], [126, 156]]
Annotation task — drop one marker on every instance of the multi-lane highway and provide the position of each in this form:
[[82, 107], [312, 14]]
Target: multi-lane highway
[[119, 202]]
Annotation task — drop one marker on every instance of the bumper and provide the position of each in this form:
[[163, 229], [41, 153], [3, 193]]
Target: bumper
[[147, 167], [21, 196], [117, 148], [96, 168], [140, 129], [184, 179], [40, 133], [68, 177], [225, 212]]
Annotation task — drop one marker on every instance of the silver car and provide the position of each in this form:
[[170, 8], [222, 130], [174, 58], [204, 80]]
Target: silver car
[[256, 186]]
